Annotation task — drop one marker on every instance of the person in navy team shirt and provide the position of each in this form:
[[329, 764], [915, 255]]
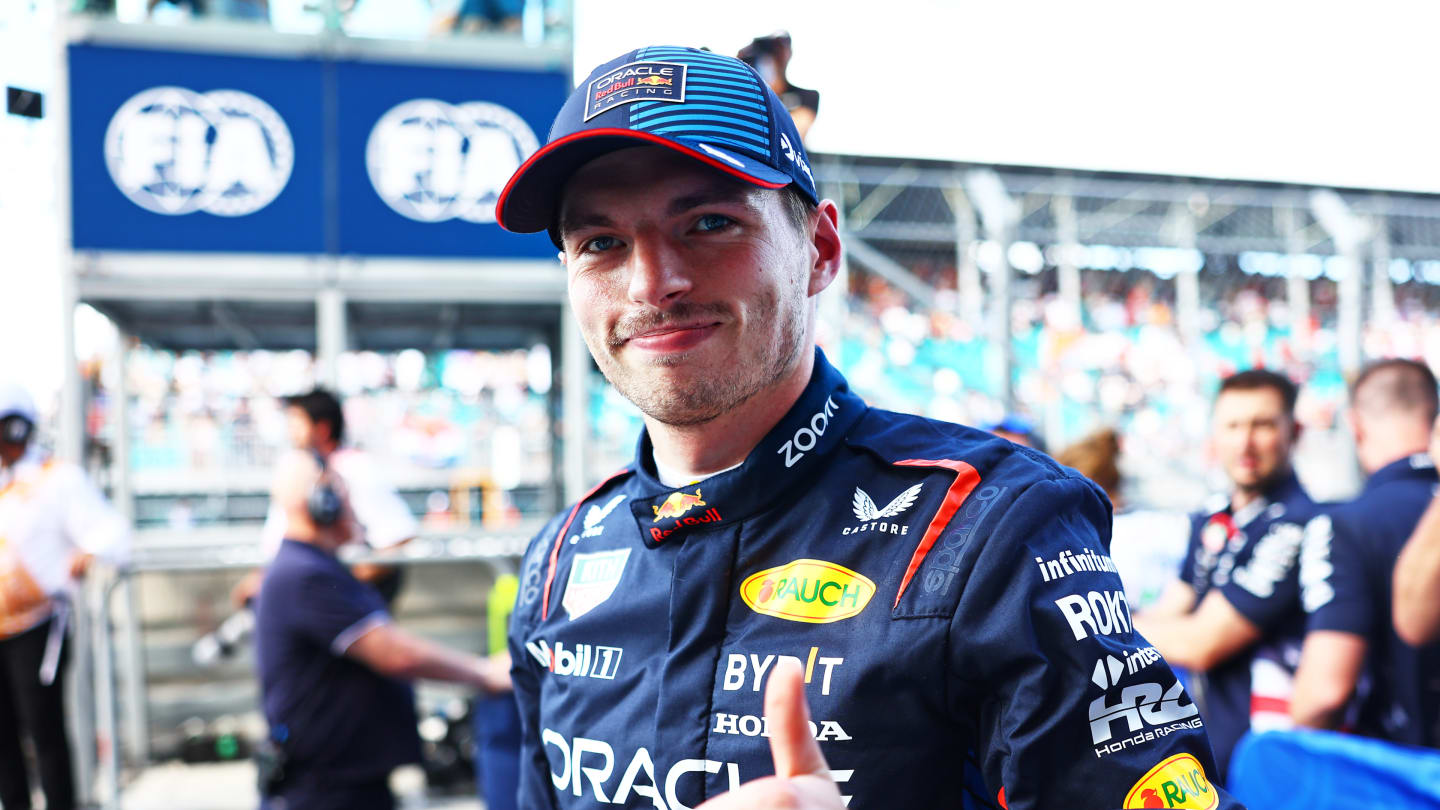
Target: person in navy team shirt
[[334, 669], [1417, 573], [1355, 672], [941, 599], [1233, 617]]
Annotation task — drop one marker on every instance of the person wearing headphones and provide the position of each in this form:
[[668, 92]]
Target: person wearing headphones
[[334, 669], [53, 524]]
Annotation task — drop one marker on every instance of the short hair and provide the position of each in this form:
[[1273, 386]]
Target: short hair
[[1259, 378], [798, 207], [1398, 385], [1096, 457], [321, 406]]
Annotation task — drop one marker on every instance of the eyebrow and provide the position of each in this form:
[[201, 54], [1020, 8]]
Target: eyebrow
[[718, 193]]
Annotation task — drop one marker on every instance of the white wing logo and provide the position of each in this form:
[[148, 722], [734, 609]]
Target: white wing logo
[[595, 516], [866, 510]]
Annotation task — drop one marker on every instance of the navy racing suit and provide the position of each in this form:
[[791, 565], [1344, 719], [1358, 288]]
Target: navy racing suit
[[948, 595]]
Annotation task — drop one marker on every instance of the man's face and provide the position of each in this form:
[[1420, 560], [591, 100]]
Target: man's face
[[299, 428], [1252, 436], [691, 289]]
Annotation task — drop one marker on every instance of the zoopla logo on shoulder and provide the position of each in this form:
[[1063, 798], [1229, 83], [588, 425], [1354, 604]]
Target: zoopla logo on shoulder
[[174, 151]]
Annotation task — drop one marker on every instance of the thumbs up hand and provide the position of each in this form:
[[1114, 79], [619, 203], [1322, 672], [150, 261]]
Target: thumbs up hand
[[802, 779]]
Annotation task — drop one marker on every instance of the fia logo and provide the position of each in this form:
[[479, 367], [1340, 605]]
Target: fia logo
[[174, 151], [594, 517], [431, 161]]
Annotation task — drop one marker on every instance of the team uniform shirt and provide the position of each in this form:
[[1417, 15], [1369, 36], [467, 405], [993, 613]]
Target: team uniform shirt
[[1252, 556], [49, 510], [947, 595], [338, 719], [1346, 568], [379, 509]]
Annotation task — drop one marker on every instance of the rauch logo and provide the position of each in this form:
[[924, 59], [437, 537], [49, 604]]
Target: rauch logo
[[811, 591], [1178, 781]]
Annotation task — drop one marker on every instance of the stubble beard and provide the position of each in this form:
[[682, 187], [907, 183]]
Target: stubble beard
[[706, 396]]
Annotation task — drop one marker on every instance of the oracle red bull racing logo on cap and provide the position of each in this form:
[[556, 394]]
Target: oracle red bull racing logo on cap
[[1178, 781], [636, 81], [813, 591]]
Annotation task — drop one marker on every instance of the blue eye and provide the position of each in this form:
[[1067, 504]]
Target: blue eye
[[712, 222], [599, 244]]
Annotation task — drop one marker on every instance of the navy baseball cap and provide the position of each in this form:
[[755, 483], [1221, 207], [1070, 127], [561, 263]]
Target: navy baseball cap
[[714, 108]]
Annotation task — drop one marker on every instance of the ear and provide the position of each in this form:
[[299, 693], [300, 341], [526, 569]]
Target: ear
[[825, 239]]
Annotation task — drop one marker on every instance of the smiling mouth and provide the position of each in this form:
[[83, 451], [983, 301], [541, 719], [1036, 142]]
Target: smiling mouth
[[673, 337]]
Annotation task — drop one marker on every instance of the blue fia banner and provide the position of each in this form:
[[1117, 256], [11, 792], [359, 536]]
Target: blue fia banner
[[192, 152]]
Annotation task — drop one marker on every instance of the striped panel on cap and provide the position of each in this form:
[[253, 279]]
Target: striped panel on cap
[[725, 104]]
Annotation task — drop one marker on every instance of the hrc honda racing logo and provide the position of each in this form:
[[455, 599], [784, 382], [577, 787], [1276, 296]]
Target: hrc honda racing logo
[[1147, 710], [582, 765]]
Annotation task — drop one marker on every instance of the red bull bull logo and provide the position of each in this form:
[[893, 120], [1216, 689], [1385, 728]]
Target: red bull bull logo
[[653, 80], [677, 505]]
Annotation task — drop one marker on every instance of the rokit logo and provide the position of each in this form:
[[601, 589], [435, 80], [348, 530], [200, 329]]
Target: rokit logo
[[738, 665], [584, 762], [873, 517], [431, 161], [1096, 613], [584, 661], [1148, 711], [174, 151], [806, 437]]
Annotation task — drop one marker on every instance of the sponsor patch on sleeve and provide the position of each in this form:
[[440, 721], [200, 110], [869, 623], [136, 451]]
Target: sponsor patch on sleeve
[[1177, 781]]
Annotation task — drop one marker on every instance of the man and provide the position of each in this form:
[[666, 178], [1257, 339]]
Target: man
[[1233, 616], [332, 665], [770, 56], [1417, 574], [1352, 658], [315, 423], [940, 597], [53, 522]]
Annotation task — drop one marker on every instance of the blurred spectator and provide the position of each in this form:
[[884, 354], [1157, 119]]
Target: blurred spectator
[[1146, 545], [379, 518], [770, 56], [1416, 601], [1019, 430], [474, 16], [1233, 617], [53, 521], [1352, 657]]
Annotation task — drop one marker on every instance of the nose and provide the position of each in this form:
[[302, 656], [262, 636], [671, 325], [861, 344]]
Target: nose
[[658, 275]]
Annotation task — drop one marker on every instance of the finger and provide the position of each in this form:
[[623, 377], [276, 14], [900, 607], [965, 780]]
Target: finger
[[791, 744]]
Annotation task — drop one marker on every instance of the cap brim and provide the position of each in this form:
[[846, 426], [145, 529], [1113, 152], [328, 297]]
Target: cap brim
[[528, 203]]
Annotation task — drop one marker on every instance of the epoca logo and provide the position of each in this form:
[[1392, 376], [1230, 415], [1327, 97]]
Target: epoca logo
[[811, 591], [431, 161], [1178, 781], [175, 151]]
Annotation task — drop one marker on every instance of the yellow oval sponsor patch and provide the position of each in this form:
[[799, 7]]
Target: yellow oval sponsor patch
[[812, 591], [1178, 781]]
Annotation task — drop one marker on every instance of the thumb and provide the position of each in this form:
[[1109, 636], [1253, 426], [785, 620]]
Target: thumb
[[791, 744]]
